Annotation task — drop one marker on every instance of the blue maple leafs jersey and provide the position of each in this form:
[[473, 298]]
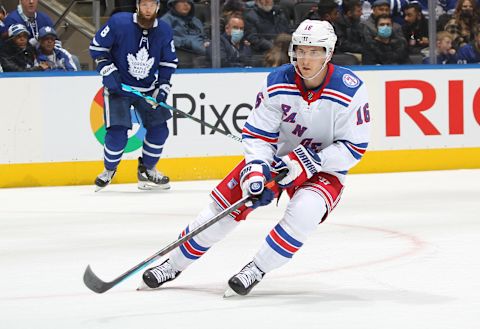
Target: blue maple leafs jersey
[[139, 54], [333, 120]]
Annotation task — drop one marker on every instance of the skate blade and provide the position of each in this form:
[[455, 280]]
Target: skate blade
[[144, 287], [145, 186], [229, 293], [98, 188]]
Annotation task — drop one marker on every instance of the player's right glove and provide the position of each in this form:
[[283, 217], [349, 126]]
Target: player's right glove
[[252, 180], [111, 76], [302, 163]]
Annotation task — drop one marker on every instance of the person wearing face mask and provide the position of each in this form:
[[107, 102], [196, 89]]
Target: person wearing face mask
[[234, 49], [379, 7], [463, 22], [385, 47], [263, 23]]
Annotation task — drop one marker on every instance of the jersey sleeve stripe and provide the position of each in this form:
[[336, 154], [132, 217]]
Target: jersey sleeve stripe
[[334, 100], [337, 94], [282, 86], [357, 150], [284, 92], [249, 130], [167, 64], [99, 48]]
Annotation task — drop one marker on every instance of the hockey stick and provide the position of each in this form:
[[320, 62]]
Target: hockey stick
[[153, 101], [95, 284]]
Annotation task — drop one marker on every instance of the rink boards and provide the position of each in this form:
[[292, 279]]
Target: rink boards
[[423, 118]]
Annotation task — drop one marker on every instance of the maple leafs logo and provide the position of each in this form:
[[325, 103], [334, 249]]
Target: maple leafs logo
[[139, 66]]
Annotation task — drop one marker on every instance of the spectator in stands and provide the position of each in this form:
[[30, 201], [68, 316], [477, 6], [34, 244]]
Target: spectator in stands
[[16, 54], [470, 53], [234, 49], [348, 28], [379, 7], [188, 32], [263, 23], [415, 29], [463, 22], [58, 59], [445, 53], [3, 13], [231, 8], [328, 11], [278, 54], [385, 47], [28, 15]]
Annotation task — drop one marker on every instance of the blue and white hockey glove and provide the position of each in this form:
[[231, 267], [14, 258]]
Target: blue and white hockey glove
[[161, 93], [111, 76], [252, 180], [302, 163]]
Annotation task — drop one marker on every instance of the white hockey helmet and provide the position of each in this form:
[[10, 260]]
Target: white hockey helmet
[[313, 33], [138, 5]]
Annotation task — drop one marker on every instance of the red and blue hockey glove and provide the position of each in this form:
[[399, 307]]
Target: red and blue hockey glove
[[302, 163], [111, 76], [252, 180]]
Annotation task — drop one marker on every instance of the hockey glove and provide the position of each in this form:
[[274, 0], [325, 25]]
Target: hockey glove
[[161, 93], [252, 180], [111, 76], [302, 163]]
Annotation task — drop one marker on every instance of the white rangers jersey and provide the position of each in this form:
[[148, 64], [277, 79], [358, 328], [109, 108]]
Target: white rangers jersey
[[332, 120]]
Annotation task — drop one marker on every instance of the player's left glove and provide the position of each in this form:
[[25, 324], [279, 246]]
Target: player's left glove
[[252, 180], [161, 93], [302, 163]]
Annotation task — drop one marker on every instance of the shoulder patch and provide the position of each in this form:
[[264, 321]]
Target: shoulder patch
[[350, 81]]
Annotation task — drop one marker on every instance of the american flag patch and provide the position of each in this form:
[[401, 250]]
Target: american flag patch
[[232, 183]]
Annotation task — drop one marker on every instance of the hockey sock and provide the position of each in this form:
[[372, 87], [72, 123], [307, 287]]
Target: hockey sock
[[305, 210], [115, 142], [193, 249], [153, 144]]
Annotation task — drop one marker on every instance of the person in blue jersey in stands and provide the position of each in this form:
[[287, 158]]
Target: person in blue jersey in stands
[[135, 49], [28, 15]]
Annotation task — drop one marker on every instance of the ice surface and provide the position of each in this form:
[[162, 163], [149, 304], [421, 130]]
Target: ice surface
[[401, 251]]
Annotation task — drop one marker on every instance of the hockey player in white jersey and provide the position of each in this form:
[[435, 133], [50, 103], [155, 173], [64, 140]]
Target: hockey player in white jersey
[[311, 117], [137, 50]]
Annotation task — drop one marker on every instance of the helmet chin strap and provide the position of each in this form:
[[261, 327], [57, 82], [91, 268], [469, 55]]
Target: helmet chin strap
[[294, 63]]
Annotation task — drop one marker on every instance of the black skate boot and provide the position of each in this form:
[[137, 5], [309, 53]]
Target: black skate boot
[[246, 279], [149, 179], [156, 276], [104, 179]]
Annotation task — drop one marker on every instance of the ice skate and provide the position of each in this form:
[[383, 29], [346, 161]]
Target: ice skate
[[149, 179], [243, 282], [104, 179], [156, 276]]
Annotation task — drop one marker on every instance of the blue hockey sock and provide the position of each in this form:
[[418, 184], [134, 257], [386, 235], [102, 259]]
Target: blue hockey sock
[[153, 144], [115, 142]]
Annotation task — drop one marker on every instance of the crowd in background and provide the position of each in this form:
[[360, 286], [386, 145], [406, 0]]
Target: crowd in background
[[256, 33], [29, 42]]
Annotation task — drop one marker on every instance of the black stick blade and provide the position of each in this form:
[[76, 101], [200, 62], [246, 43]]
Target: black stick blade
[[94, 283]]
